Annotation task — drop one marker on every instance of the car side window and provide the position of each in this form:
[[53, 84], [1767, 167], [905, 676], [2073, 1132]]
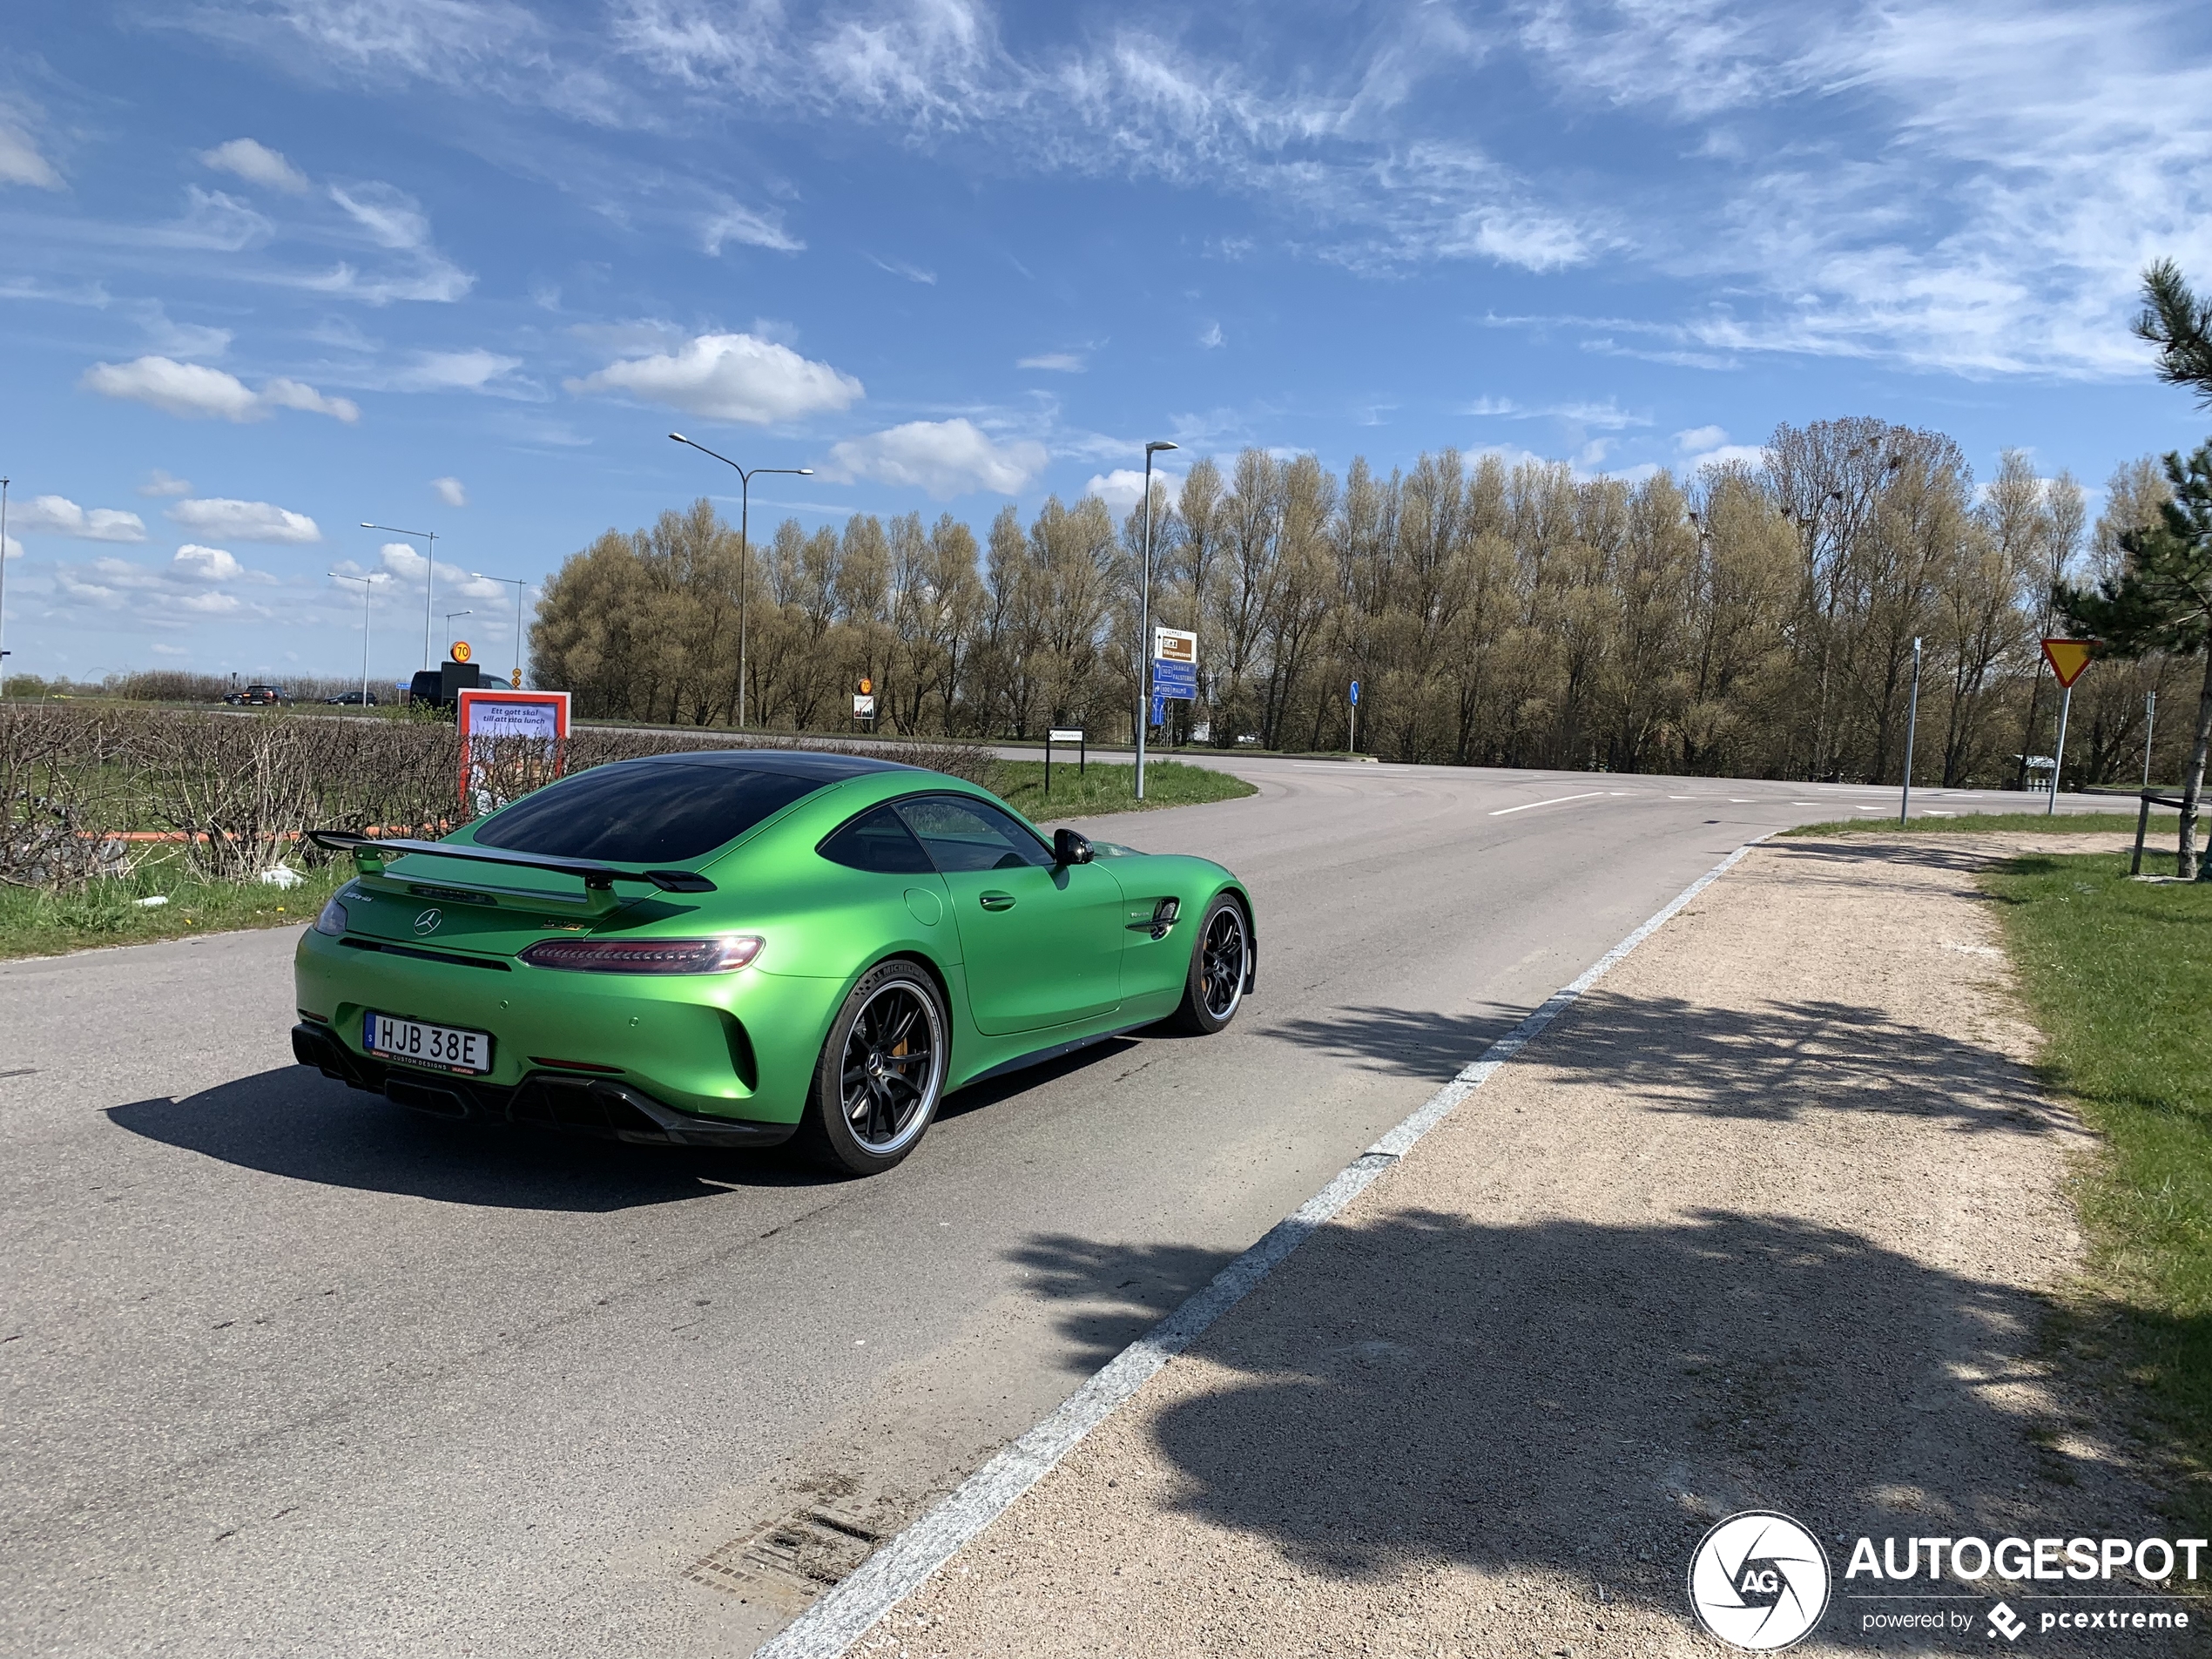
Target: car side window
[[963, 834], [877, 841]]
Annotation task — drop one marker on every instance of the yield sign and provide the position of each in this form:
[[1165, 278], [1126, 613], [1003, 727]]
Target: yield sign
[[2068, 658]]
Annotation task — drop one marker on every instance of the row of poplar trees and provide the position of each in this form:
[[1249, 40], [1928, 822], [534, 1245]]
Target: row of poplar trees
[[1742, 621]]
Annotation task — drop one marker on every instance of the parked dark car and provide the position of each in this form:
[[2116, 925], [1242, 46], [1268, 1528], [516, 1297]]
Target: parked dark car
[[352, 698], [439, 687], [257, 696]]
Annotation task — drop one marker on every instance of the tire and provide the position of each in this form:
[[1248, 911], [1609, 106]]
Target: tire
[[1221, 959], [881, 1074]]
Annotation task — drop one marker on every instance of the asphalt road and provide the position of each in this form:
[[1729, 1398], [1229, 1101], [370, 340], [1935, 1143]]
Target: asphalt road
[[284, 1369]]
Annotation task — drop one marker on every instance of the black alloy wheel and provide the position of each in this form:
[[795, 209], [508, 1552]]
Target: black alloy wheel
[[882, 1073], [1221, 960]]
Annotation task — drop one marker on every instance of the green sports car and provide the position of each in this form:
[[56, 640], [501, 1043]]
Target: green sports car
[[737, 948]]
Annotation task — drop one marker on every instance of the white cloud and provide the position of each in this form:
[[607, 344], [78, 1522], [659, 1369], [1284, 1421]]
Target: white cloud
[[1701, 437], [733, 222], [729, 377], [450, 491], [455, 371], [1607, 416], [1124, 488], [256, 163], [1063, 362], [900, 269], [58, 515], [942, 457], [1746, 455], [199, 563], [194, 391], [1212, 337], [390, 217], [160, 484], [284, 393], [12, 548], [194, 583], [245, 521], [20, 162]]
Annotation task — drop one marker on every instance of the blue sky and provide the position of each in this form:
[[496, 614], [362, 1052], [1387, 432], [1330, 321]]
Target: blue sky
[[270, 268]]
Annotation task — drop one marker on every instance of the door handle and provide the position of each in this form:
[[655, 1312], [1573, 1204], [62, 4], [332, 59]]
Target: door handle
[[998, 901]]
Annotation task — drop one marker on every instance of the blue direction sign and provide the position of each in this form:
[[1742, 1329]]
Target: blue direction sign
[[1175, 679], [1355, 693], [1159, 707]]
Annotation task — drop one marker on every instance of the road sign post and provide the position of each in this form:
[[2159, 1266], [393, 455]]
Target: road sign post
[[1065, 734], [1911, 725], [1352, 732], [2068, 658], [1175, 670]]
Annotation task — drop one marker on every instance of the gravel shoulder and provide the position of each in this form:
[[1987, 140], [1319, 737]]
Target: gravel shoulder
[[1769, 1219]]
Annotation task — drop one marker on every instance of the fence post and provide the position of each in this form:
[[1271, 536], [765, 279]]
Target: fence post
[[2142, 827]]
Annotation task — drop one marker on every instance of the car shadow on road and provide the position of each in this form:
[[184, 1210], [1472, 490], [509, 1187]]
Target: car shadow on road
[[1588, 1399], [1772, 1063], [294, 1123]]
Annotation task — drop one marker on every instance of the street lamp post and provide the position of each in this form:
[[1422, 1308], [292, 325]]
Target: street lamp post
[[3, 586], [744, 543], [1144, 618], [451, 615], [365, 581], [520, 586], [1911, 726], [429, 574]]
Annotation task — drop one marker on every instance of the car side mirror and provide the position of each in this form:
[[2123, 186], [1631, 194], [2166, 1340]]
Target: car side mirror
[[1067, 847]]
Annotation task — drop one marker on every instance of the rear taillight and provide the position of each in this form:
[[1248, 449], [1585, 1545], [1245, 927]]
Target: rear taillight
[[722, 956], [332, 919]]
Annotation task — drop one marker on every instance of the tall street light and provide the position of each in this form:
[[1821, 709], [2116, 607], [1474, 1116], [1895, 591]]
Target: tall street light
[[429, 574], [365, 581], [3, 586], [1144, 618], [744, 543], [451, 615], [519, 586]]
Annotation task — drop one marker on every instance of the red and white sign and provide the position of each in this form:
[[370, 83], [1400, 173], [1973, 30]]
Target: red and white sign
[[494, 711], [2068, 658]]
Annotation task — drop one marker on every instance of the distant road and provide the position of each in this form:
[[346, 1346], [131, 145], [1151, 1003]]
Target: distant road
[[289, 1370]]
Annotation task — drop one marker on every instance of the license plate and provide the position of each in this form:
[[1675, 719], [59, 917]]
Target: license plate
[[414, 1043]]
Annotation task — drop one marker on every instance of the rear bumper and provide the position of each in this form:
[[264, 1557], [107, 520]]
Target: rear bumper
[[566, 1101]]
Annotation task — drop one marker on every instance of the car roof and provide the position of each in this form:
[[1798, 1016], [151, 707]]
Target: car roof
[[797, 763]]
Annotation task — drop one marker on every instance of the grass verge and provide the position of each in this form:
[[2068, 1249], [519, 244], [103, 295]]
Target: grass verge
[[2056, 823], [1105, 787], [2118, 974], [107, 912]]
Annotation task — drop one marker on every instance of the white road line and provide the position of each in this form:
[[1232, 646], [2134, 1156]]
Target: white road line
[[1588, 794], [901, 1566]]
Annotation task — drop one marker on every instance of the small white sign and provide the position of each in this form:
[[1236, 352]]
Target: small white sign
[[492, 719], [1057, 735], [1175, 645], [863, 707]]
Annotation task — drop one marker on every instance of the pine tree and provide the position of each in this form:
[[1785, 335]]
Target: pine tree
[[2161, 600]]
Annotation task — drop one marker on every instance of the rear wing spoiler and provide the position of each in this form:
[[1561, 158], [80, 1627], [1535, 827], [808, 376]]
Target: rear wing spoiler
[[371, 852]]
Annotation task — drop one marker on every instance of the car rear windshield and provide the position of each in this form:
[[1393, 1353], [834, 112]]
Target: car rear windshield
[[644, 812]]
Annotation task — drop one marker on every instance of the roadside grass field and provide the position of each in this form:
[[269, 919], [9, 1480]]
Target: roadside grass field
[[34, 922], [2056, 824], [2118, 974], [1104, 788]]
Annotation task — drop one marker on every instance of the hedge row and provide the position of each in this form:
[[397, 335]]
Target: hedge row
[[86, 791]]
